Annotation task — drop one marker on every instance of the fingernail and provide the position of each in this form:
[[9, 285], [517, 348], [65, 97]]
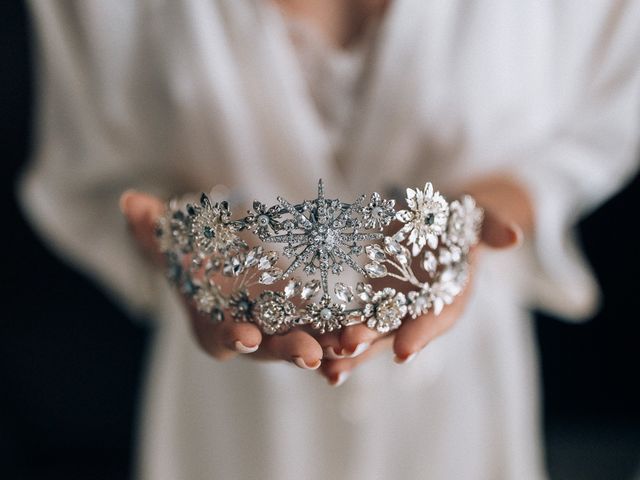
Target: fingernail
[[242, 348], [359, 350], [403, 360], [331, 354], [517, 234], [123, 203], [300, 363], [337, 380]]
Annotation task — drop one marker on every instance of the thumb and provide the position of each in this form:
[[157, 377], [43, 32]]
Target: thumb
[[142, 212], [499, 233]]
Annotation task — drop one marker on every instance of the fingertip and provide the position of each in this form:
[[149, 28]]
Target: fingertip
[[517, 235], [242, 337], [500, 234], [302, 363], [242, 348], [404, 358], [125, 201], [339, 378], [411, 340], [356, 339]]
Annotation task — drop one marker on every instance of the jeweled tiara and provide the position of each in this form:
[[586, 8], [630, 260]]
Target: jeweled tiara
[[250, 279]]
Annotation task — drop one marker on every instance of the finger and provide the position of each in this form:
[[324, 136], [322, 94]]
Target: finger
[[356, 339], [142, 211], [240, 337], [337, 371], [499, 233], [415, 334], [209, 338], [296, 346], [331, 346]]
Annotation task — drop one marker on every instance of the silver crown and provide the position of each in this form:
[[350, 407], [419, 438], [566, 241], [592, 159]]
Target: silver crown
[[425, 246]]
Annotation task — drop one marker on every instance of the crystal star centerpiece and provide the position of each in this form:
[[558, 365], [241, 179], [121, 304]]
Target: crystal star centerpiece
[[326, 234]]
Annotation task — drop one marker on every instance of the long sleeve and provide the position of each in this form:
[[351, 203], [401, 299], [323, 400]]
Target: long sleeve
[[99, 130], [592, 153]]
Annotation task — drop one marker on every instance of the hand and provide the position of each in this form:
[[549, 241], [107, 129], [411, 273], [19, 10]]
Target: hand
[[500, 231], [227, 339]]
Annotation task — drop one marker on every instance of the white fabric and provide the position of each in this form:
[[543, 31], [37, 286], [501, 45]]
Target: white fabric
[[172, 97]]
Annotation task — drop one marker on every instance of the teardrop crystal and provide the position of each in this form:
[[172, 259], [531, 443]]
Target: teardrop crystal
[[310, 289], [375, 270], [292, 288], [375, 253], [429, 262], [253, 256], [270, 276], [343, 292], [267, 261]]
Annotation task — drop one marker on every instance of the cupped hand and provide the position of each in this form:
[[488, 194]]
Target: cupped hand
[[228, 338], [358, 343]]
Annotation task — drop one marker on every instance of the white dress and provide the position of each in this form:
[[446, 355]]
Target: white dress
[[173, 97]]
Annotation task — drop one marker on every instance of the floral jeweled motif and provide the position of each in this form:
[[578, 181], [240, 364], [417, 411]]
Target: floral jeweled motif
[[273, 312], [384, 309], [425, 220], [325, 316]]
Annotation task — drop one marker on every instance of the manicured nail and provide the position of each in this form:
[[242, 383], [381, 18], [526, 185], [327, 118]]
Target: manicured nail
[[517, 233], [242, 348], [359, 350], [337, 380], [300, 363], [331, 354], [403, 360]]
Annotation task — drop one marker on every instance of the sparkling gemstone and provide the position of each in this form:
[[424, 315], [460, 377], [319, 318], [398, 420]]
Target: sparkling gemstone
[[375, 270], [343, 292], [270, 276], [429, 218], [404, 216], [217, 315], [267, 261], [364, 291], [263, 220], [420, 303], [292, 288], [375, 252], [393, 247], [429, 262], [326, 314], [232, 267], [445, 256], [208, 232], [310, 289], [253, 257], [403, 258]]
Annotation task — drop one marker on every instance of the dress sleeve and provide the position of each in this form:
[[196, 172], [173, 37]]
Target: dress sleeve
[[99, 130], [591, 154]]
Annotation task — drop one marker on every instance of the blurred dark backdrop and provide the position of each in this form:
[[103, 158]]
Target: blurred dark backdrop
[[71, 362]]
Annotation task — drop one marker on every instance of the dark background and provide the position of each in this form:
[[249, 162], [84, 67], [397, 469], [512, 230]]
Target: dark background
[[71, 362]]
